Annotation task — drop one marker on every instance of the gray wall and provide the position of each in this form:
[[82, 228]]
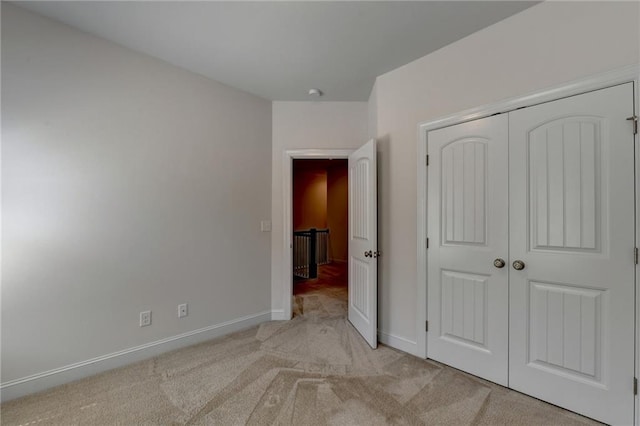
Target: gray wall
[[128, 184]]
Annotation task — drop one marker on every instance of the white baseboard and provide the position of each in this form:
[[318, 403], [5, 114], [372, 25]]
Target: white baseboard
[[400, 343], [278, 315], [69, 373]]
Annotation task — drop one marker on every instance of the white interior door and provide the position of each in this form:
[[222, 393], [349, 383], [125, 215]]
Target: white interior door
[[468, 232], [572, 225], [363, 242]]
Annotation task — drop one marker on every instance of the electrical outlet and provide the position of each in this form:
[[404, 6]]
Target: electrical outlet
[[145, 318], [182, 310]]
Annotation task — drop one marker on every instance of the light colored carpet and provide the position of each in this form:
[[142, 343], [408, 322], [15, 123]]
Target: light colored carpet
[[312, 370]]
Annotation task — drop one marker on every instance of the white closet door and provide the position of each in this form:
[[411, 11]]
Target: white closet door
[[467, 228], [571, 195]]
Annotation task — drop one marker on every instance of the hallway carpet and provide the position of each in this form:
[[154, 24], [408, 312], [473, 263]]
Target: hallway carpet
[[312, 370]]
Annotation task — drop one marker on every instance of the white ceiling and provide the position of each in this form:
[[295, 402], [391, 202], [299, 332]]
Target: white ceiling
[[278, 50]]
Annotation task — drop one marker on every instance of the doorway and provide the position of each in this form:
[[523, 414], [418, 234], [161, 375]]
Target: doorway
[[363, 251], [320, 236]]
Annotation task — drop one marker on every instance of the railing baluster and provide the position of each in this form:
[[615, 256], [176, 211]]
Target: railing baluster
[[310, 249], [313, 259]]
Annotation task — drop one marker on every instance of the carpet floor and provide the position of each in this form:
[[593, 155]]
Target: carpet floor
[[312, 370]]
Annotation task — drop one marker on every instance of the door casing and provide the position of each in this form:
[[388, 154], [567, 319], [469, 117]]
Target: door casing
[[626, 74]]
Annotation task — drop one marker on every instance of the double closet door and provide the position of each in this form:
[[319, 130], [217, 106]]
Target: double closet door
[[531, 270]]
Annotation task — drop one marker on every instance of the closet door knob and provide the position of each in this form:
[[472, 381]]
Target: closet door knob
[[518, 265], [499, 263], [368, 253]]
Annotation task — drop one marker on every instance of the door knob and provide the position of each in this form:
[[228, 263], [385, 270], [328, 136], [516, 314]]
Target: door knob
[[518, 265], [368, 253], [499, 263]]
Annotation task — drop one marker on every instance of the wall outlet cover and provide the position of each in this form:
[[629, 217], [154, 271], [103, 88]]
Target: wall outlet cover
[[145, 318], [183, 310]]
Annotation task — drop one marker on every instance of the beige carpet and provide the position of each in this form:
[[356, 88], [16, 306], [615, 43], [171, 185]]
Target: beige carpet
[[312, 370]]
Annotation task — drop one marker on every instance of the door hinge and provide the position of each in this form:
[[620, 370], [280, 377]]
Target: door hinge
[[426, 326], [427, 243], [427, 160], [635, 385], [635, 254], [634, 119]]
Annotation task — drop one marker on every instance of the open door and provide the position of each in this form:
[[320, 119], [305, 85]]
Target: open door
[[363, 242]]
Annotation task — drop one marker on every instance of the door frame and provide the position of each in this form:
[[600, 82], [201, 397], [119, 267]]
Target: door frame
[[630, 73], [287, 220]]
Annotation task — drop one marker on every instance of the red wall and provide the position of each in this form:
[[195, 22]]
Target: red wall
[[337, 211]]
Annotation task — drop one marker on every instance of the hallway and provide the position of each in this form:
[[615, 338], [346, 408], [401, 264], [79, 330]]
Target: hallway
[[331, 282]]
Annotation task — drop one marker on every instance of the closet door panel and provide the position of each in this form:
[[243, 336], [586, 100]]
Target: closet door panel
[[571, 201], [467, 226]]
